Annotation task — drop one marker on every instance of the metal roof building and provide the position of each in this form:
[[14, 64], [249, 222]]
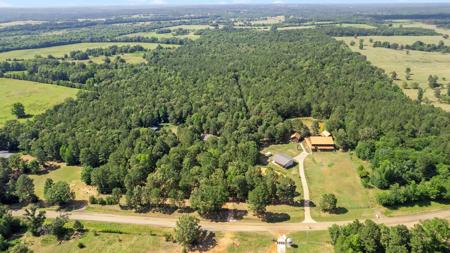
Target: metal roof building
[[283, 160]]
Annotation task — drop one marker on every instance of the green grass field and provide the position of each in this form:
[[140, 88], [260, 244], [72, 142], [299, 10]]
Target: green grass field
[[110, 237], [422, 65], [69, 174], [59, 51], [335, 172], [163, 35], [36, 97], [132, 58], [311, 242], [356, 25]]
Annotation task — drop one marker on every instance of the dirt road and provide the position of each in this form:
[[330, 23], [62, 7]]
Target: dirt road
[[408, 220]]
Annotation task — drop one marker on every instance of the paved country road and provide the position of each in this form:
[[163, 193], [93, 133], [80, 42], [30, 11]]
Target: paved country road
[[237, 226]]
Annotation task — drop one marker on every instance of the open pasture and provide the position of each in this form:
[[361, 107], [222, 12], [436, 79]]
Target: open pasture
[[59, 51], [36, 97], [335, 172], [422, 65]]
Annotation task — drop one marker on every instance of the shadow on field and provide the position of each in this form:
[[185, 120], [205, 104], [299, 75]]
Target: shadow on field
[[271, 217], [340, 210], [207, 241], [226, 215]]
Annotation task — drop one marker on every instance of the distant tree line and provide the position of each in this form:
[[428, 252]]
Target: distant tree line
[[338, 31]]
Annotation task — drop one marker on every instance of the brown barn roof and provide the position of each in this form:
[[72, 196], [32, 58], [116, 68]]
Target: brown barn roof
[[321, 140]]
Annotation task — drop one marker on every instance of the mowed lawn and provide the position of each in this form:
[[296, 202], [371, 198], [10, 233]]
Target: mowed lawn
[[59, 51], [108, 237], [422, 65], [311, 242], [68, 174], [335, 172], [36, 97]]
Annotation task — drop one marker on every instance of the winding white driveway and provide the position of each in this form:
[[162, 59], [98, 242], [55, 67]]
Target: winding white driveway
[[301, 168]]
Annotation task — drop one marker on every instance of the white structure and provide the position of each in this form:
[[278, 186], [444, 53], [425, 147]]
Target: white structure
[[282, 243]]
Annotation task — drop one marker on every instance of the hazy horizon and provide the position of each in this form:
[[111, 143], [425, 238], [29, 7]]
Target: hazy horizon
[[81, 3]]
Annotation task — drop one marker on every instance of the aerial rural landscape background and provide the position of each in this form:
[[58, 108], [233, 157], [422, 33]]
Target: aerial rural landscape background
[[224, 126]]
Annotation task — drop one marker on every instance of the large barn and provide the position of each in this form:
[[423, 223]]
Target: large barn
[[320, 143]]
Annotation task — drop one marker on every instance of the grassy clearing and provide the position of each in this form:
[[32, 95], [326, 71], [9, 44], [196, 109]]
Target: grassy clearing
[[292, 149], [132, 58], [422, 65], [191, 27], [250, 242], [269, 21], [311, 242], [365, 26], [308, 121], [335, 172], [23, 22], [191, 35], [114, 237], [69, 174], [416, 208], [110, 237], [59, 51], [36, 97], [296, 27], [411, 23]]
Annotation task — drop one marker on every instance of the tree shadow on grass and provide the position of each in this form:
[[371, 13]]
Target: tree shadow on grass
[[226, 215], [422, 203], [340, 210], [206, 242], [271, 217], [73, 205]]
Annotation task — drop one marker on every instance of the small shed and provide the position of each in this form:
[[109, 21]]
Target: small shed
[[296, 137], [283, 160], [325, 134]]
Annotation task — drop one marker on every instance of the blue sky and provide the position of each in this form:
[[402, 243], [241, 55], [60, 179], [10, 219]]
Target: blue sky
[[46, 3]]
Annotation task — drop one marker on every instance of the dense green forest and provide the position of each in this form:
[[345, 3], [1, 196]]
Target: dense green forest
[[240, 87], [428, 236]]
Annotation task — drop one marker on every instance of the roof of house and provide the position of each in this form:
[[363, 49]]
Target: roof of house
[[5, 154], [321, 140], [282, 159], [205, 137], [325, 133], [296, 135]]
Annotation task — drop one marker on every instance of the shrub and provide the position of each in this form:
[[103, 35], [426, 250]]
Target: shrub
[[328, 202]]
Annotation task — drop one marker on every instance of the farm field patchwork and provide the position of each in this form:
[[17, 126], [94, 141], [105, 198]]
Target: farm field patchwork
[[422, 65], [191, 35], [59, 51], [36, 97], [335, 172]]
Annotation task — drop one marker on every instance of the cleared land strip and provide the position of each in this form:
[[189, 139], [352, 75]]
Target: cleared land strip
[[408, 220]]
